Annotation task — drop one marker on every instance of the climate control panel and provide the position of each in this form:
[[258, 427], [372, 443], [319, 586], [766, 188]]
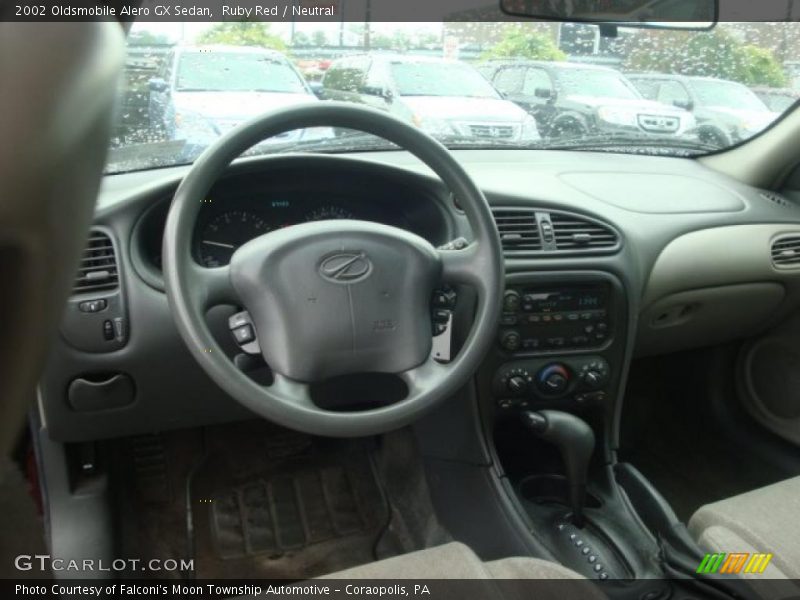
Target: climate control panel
[[524, 383]]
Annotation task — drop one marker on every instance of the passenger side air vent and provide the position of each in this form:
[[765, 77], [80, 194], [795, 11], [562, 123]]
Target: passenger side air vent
[[786, 252], [571, 232], [98, 266], [519, 230]]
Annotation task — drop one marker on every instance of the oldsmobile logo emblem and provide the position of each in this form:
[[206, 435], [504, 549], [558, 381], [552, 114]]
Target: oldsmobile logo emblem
[[345, 267]]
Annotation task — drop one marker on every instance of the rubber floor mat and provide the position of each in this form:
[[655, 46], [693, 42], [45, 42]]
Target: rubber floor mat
[[295, 508]]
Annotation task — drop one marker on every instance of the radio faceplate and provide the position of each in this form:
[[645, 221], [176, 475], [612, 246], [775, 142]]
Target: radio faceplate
[[553, 318]]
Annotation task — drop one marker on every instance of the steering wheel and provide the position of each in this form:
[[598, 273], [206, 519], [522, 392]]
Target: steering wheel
[[330, 298]]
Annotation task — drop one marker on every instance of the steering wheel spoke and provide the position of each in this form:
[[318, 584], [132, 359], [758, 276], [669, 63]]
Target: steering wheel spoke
[[296, 392], [467, 266], [213, 286], [423, 377]]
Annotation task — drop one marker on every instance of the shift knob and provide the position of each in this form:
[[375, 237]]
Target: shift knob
[[575, 440]]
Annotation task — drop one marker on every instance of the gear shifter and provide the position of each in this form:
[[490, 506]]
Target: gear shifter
[[575, 440]]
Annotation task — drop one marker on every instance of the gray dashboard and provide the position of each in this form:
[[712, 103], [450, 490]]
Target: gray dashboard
[[694, 260]]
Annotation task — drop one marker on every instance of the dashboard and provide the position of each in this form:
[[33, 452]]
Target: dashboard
[[683, 259]]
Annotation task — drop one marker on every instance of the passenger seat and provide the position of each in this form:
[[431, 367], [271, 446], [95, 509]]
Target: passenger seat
[[766, 520]]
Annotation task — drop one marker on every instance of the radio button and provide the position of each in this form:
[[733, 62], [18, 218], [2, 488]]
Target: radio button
[[511, 301], [510, 341]]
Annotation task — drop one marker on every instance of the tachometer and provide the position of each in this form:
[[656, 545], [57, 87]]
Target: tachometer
[[327, 212], [223, 234]]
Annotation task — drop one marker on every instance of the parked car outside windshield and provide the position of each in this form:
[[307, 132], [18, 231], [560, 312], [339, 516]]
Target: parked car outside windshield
[[204, 91], [445, 98], [727, 112], [471, 85], [573, 100]]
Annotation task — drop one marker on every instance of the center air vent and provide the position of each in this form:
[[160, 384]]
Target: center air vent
[[786, 252], [519, 230], [577, 233], [531, 232], [98, 266]]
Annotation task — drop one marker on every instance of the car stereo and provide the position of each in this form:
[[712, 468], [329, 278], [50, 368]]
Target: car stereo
[[544, 319]]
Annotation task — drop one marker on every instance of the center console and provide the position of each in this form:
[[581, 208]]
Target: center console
[[557, 369]]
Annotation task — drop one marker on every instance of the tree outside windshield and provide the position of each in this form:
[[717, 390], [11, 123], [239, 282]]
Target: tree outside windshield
[[469, 84]]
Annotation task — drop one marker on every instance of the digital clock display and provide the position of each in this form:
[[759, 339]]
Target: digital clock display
[[564, 300]]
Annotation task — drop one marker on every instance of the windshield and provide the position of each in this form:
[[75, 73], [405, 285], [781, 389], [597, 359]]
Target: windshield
[[229, 72], [470, 84], [440, 79], [726, 94], [600, 84]]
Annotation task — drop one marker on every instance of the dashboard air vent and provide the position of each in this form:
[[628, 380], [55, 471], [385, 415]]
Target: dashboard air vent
[[98, 266], [518, 229], [572, 232], [786, 251], [775, 198]]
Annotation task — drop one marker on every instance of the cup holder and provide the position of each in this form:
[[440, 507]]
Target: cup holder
[[550, 489]]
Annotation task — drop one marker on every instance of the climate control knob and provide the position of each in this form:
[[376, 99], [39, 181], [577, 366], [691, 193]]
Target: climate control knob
[[517, 384], [553, 380], [594, 379]]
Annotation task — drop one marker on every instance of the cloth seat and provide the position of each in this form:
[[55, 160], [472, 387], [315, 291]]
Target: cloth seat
[[457, 561], [760, 521]]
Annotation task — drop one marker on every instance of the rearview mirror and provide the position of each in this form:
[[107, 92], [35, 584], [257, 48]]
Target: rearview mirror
[[661, 14]]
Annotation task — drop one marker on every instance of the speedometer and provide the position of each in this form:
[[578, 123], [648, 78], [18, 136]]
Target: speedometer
[[327, 212], [222, 236]]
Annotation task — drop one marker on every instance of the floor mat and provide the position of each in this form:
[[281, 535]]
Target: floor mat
[[271, 503], [294, 509], [256, 501]]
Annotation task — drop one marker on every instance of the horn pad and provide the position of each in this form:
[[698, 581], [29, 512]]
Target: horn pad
[[336, 297]]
